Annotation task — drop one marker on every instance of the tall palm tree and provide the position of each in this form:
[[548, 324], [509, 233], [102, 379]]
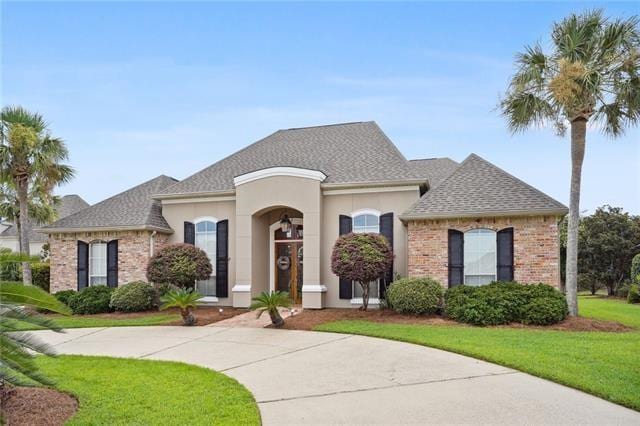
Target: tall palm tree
[[591, 74], [29, 156]]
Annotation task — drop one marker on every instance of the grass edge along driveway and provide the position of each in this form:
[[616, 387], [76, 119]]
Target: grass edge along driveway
[[599, 363], [115, 391]]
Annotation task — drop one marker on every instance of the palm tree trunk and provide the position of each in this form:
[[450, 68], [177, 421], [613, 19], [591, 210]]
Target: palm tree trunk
[[578, 141], [21, 190]]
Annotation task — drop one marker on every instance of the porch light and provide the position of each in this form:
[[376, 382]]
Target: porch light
[[285, 223]]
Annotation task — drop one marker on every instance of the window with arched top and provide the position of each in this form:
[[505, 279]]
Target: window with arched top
[[366, 222], [480, 253], [98, 263], [205, 239]]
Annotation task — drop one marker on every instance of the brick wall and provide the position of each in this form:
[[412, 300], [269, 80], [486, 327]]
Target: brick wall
[[133, 255], [535, 239]]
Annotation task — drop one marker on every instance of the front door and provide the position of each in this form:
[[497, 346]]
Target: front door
[[288, 262]]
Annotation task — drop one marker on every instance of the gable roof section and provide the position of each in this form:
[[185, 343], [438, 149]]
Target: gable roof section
[[69, 204], [435, 170], [478, 188], [346, 153], [131, 209]]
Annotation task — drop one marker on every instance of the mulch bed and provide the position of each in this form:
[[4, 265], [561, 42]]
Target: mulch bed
[[36, 406], [210, 314], [308, 319]]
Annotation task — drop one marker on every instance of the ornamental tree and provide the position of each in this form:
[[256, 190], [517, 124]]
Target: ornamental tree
[[362, 258], [179, 264]]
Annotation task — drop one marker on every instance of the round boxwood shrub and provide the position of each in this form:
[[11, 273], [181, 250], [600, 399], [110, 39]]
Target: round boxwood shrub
[[64, 296], [179, 264], [505, 302], [135, 296], [415, 296], [40, 274], [91, 300]]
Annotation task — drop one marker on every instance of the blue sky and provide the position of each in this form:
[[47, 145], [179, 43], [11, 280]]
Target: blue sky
[[142, 89]]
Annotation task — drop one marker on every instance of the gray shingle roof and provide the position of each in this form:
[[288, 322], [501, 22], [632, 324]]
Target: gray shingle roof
[[346, 153], [478, 188], [133, 209], [69, 204], [433, 169]]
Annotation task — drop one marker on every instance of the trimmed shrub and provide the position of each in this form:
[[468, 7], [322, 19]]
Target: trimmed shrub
[[415, 296], [506, 302], [65, 295], [40, 275], [91, 300], [135, 296], [179, 264], [361, 258], [634, 294]]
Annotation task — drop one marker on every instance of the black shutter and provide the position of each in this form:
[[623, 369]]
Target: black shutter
[[112, 263], [505, 254], [346, 289], [386, 230], [189, 233], [456, 258], [83, 265], [222, 259]]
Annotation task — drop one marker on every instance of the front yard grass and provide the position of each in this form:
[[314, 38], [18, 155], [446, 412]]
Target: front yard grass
[[83, 321], [600, 363], [114, 391]]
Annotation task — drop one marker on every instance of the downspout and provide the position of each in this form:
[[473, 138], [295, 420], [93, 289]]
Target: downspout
[[151, 242]]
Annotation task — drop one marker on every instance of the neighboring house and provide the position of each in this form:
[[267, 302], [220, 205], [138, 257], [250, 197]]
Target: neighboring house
[[459, 223], [10, 239]]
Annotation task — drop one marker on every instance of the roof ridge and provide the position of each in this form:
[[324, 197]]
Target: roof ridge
[[346, 123]]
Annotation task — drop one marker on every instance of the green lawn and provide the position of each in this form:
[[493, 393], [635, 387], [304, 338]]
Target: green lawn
[[603, 364], [83, 321], [115, 391]]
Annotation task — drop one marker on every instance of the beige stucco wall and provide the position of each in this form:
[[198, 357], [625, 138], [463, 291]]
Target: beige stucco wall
[[256, 202], [176, 214], [384, 202]]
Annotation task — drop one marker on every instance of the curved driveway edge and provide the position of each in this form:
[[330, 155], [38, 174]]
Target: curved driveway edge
[[323, 378]]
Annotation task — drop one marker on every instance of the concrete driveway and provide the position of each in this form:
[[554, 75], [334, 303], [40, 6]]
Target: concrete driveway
[[307, 377]]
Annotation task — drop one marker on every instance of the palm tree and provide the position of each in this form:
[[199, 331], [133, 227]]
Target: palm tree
[[590, 75], [42, 207], [16, 356], [270, 302], [185, 300], [30, 157]]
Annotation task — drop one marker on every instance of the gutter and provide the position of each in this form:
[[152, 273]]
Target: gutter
[[104, 228], [495, 213]]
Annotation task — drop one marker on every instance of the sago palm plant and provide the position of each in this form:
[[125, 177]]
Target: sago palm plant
[[18, 348], [270, 302], [185, 300], [591, 74]]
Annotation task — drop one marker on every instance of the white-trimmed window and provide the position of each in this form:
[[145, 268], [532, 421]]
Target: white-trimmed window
[[206, 240], [366, 221], [98, 263], [479, 257]]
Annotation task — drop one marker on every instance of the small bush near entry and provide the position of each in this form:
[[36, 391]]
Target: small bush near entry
[[64, 296], [91, 300], [179, 264], [634, 294], [505, 302], [40, 274], [135, 296], [415, 296]]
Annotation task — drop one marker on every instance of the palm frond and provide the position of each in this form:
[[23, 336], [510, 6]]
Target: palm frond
[[30, 295]]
